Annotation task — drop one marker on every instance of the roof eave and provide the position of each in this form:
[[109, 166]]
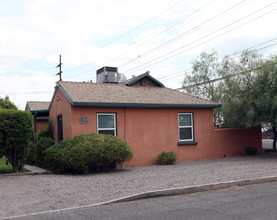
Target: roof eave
[[41, 110], [63, 92], [146, 105]]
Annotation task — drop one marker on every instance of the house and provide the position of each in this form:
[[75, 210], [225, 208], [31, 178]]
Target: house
[[148, 116], [40, 112]]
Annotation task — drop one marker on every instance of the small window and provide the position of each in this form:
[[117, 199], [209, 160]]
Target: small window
[[106, 123], [185, 127]]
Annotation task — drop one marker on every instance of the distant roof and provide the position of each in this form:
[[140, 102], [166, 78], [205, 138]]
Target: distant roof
[[37, 106], [106, 94]]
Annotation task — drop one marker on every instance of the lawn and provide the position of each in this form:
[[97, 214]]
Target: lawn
[[4, 168]]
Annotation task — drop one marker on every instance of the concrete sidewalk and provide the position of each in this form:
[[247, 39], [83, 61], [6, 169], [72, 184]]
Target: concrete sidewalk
[[34, 170], [52, 193]]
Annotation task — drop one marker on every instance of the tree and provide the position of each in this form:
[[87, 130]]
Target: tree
[[5, 103], [253, 101], [201, 81], [239, 77], [246, 86], [265, 89], [15, 134]]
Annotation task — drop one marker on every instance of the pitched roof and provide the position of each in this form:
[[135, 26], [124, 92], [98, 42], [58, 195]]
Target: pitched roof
[[135, 79], [38, 106], [104, 94]]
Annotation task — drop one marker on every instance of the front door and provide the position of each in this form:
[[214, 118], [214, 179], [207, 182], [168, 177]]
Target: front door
[[60, 128]]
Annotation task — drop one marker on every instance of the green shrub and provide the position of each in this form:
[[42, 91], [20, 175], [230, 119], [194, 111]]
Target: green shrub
[[251, 150], [87, 153], [167, 158], [30, 154], [48, 132], [43, 144], [15, 134], [54, 157]]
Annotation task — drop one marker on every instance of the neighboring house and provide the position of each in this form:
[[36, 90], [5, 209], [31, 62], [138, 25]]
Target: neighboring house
[[40, 111], [148, 116]]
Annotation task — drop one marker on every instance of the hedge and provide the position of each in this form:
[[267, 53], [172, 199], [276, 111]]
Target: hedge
[[15, 134], [43, 144]]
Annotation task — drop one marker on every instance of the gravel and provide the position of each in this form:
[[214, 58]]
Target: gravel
[[36, 193]]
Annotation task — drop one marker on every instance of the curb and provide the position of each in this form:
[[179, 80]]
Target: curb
[[27, 173], [194, 189], [160, 193]]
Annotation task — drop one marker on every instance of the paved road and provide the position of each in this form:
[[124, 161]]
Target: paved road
[[248, 202]]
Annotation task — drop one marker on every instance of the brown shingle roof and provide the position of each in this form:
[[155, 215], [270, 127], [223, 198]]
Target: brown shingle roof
[[34, 106], [103, 93]]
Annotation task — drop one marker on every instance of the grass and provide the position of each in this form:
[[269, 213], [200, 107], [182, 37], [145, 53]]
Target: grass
[[4, 168]]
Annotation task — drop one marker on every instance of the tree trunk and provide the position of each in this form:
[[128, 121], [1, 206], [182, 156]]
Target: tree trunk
[[275, 136], [15, 169]]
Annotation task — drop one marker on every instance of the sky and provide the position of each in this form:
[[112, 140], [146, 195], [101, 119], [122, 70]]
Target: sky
[[161, 36]]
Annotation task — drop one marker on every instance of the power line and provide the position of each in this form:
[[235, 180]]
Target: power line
[[182, 35], [198, 25], [131, 30], [167, 27], [190, 71], [137, 68]]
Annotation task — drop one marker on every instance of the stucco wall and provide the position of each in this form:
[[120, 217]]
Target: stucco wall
[[41, 124], [150, 131], [60, 106], [91, 114]]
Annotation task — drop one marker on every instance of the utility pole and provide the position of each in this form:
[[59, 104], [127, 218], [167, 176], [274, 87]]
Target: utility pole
[[60, 66]]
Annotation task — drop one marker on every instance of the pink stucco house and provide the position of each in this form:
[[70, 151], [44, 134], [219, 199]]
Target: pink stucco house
[[148, 116]]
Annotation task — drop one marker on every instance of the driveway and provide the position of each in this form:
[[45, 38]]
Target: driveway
[[37, 193]]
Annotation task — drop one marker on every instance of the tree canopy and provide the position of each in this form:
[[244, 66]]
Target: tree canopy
[[246, 86], [5, 103], [15, 134]]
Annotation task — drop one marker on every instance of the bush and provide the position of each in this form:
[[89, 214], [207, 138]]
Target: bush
[[30, 154], [167, 158], [48, 132], [15, 134], [43, 144], [251, 150], [54, 157], [87, 153]]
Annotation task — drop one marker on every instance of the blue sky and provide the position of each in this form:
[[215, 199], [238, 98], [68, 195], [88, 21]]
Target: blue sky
[[162, 36]]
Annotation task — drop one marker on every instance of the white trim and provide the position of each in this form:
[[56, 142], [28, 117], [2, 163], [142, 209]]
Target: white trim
[[191, 126], [103, 129]]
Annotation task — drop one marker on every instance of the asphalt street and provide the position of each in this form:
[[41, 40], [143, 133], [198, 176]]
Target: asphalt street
[[247, 202]]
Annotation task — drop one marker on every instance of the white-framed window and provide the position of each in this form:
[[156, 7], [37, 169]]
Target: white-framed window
[[185, 127], [106, 123]]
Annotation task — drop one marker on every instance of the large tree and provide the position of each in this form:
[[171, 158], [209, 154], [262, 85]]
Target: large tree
[[5, 103], [202, 81], [252, 98], [246, 85]]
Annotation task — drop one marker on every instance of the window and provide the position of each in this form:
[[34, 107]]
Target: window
[[106, 123], [186, 135]]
